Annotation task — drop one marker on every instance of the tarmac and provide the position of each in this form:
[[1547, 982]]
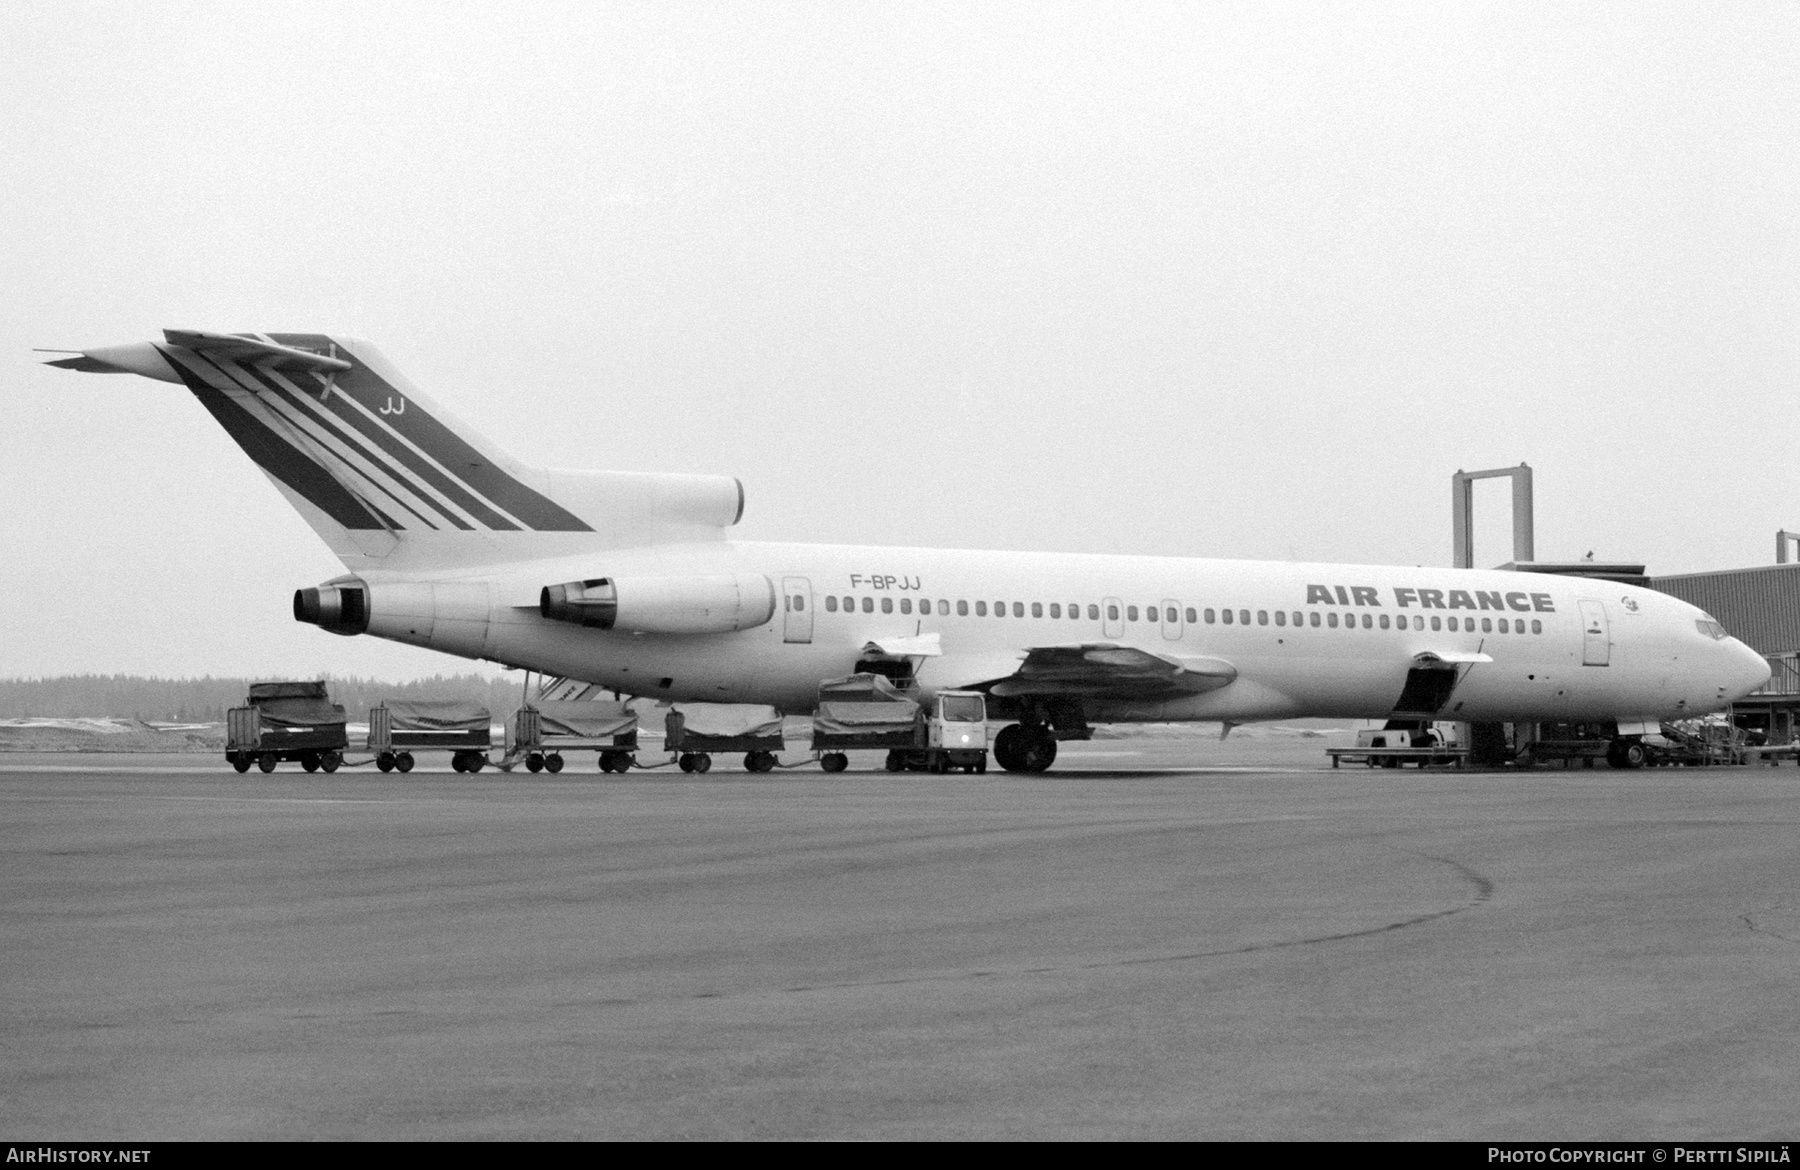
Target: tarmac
[[1181, 939]]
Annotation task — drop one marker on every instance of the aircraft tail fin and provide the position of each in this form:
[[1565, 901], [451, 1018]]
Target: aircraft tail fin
[[388, 478]]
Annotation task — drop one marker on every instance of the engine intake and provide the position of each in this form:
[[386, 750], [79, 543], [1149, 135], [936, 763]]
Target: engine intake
[[662, 605], [342, 609]]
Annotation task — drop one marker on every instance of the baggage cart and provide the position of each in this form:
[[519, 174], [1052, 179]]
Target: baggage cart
[[697, 730], [542, 732], [286, 721], [399, 728], [863, 712]]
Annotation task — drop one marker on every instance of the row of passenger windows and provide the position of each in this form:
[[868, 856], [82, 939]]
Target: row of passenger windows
[[1173, 615]]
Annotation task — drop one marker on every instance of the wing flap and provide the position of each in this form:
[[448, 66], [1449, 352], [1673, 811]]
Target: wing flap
[[1109, 669]]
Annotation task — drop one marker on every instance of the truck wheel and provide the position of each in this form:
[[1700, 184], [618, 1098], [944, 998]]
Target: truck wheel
[[1634, 755], [267, 762], [310, 761], [385, 761], [554, 761], [241, 762], [534, 763], [331, 760], [404, 761]]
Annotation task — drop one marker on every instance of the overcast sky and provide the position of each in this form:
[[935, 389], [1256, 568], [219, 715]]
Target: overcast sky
[[1195, 280]]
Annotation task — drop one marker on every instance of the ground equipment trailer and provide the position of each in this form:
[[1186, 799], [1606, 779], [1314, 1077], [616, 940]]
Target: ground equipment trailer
[[541, 733], [696, 731], [286, 721], [866, 711], [398, 729]]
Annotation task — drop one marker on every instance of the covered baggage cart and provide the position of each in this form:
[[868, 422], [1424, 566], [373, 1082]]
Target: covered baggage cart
[[696, 730], [399, 728], [543, 731], [863, 712], [286, 721]]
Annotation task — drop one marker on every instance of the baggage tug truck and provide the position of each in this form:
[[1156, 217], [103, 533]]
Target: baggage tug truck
[[865, 711], [286, 721]]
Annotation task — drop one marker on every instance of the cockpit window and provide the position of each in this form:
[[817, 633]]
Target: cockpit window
[[963, 708], [1711, 628]]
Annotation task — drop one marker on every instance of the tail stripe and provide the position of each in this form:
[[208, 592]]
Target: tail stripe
[[267, 404], [358, 453], [501, 491]]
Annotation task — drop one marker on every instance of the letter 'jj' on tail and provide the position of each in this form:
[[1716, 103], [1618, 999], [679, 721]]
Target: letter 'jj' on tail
[[389, 479]]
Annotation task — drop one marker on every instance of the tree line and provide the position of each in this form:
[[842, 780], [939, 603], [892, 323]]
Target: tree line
[[205, 700]]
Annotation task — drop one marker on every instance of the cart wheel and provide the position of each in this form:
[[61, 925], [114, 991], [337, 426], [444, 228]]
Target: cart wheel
[[534, 763], [267, 761], [834, 761], [456, 762], [310, 761], [241, 762], [404, 761], [331, 760], [702, 762], [896, 761], [553, 761], [981, 764], [939, 765], [385, 761]]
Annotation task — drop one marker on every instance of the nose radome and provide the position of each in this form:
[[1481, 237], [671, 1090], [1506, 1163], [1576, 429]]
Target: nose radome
[[1750, 670]]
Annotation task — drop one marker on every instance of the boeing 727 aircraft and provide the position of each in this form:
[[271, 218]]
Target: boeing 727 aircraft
[[630, 580]]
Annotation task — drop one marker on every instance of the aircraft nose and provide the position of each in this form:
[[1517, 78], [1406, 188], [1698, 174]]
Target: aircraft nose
[[1748, 670]]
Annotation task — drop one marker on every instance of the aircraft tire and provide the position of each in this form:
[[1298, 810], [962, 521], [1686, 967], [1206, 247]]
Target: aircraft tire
[[267, 762], [1019, 748]]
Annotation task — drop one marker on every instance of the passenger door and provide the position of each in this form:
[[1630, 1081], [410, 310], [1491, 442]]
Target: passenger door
[[1596, 643], [797, 618]]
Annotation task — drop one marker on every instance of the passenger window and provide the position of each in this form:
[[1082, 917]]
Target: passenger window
[[1056, 609], [887, 605], [906, 605], [1331, 620], [1210, 615], [1037, 609], [1487, 625], [1505, 626], [1435, 622], [1281, 617], [831, 603], [1112, 612], [1018, 609], [962, 609], [1368, 622], [1384, 621], [1537, 627], [1262, 617], [999, 609], [868, 605], [1313, 620], [981, 609], [1225, 616], [1190, 615], [1244, 616]]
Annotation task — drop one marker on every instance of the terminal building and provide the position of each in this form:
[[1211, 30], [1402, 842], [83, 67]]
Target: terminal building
[[1761, 607]]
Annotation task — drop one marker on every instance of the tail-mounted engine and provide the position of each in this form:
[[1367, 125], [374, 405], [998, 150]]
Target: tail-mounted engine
[[342, 608], [663, 605]]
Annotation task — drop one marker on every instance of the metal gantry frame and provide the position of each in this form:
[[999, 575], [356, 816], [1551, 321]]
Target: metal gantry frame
[[1462, 514]]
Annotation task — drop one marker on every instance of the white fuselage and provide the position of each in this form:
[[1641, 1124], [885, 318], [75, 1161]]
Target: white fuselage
[[1319, 640]]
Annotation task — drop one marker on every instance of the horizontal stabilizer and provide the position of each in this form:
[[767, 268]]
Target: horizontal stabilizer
[[247, 349]]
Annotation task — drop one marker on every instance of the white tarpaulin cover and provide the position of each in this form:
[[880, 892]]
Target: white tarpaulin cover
[[586, 719], [446, 715], [726, 720]]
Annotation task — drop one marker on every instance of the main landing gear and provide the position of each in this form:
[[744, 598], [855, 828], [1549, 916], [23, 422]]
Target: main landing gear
[[1025, 747]]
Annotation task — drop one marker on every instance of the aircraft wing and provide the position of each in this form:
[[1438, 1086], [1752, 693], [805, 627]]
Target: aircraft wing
[[1108, 670]]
